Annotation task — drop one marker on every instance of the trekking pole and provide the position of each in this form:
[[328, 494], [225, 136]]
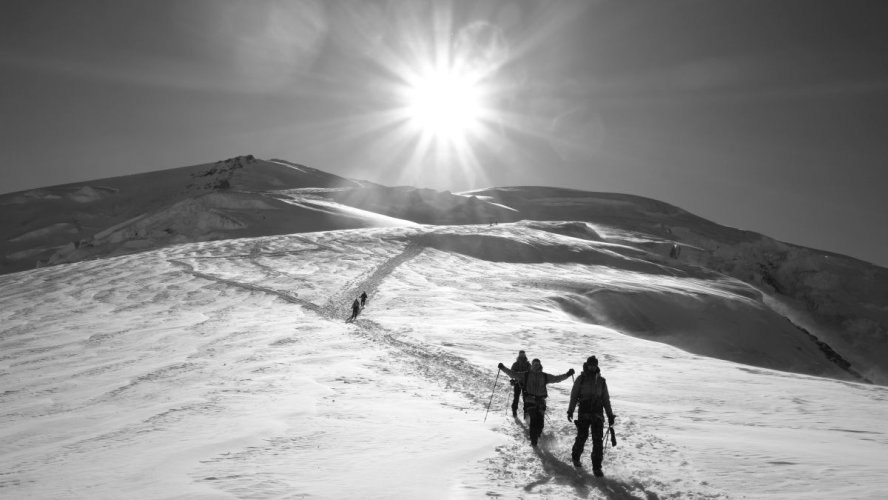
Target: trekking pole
[[491, 394]]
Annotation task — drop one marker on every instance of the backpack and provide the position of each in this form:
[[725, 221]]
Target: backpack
[[527, 374], [586, 407]]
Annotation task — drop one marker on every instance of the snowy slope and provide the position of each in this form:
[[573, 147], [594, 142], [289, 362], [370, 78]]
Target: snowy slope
[[842, 302], [838, 303], [235, 198], [225, 369]]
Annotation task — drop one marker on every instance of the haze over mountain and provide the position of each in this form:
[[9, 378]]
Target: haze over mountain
[[184, 335]]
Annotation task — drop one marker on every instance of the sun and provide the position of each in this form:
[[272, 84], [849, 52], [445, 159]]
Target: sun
[[444, 105], [446, 95]]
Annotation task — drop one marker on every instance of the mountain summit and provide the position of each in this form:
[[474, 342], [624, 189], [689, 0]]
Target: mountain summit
[[834, 301]]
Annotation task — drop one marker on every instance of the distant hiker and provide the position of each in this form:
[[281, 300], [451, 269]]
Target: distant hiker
[[363, 299], [535, 394], [591, 398], [356, 308], [675, 251], [520, 365]]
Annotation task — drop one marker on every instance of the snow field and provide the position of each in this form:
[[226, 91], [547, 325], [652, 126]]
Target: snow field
[[226, 370]]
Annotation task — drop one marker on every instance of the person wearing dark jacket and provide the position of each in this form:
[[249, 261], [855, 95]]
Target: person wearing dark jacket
[[535, 393], [520, 365], [591, 399], [356, 308]]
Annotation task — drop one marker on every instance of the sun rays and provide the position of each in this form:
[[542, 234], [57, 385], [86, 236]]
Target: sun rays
[[434, 97], [444, 107], [444, 104], [443, 84]]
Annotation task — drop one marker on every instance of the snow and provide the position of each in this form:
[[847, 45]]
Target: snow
[[225, 369], [288, 165], [61, 227], [308, 198], [89, 194], [840, 302]]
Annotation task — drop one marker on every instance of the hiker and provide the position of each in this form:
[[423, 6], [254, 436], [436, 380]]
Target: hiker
[[535, 394], [675, 251], [520, 365], [356, 307], [363, 299], [591, 398]]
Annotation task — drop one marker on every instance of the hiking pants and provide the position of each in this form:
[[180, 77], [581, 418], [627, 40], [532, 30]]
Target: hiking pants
[[596, 424], [537, 420], [537, 412], [518, 394]]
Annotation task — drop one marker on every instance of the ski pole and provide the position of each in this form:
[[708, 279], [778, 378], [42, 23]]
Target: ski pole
[[491, 394]]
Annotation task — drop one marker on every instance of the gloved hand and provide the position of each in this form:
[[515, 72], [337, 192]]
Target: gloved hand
[[570, 417], [570, 372], [500, 366], [610, 420]]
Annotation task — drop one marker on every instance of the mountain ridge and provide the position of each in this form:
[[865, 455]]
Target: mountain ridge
[[834, 298]]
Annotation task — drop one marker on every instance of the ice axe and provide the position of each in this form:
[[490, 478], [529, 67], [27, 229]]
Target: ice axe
[[613, 439]]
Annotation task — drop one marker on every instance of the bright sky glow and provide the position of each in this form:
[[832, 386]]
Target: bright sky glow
[[445, 105], [593, 95], [445, 84], [444, 115]]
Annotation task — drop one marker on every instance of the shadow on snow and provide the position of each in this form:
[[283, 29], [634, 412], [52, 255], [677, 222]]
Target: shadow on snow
[[582, 481]]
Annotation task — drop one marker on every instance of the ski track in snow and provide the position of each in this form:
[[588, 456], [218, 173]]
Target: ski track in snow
[[546, 466]]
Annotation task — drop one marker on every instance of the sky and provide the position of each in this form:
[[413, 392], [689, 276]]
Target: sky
[[766, 116]]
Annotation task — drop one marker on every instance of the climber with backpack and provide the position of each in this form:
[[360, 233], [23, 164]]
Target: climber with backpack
[[535, 393], [590, 397], [520, 365]]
